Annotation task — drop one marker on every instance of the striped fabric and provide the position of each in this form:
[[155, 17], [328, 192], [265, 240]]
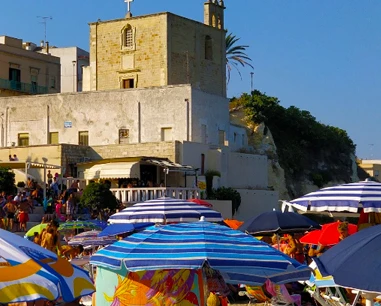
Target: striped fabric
[[239, 257], [91, 238], [346, 197], [165, 210]]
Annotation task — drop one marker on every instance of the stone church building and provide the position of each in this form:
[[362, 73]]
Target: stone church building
[[154, 99]]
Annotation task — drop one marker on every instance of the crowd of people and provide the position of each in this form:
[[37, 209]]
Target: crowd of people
[[304, 253]]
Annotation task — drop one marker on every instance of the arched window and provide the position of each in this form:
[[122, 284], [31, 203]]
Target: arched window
[[128, 37], [219, 22], [208, 48]]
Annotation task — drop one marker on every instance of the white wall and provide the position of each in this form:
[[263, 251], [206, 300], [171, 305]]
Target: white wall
[[237, 138], [103, 113], [223, 207], [254, 202], [71, 75], [212, 111], [247, 171]]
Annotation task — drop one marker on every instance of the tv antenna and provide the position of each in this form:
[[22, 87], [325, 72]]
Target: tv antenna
[[45, 22]]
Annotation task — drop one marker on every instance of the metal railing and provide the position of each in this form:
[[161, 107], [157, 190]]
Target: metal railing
[[32, 89], [134, 195]]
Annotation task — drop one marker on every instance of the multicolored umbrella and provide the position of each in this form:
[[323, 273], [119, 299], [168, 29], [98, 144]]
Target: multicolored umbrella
[[340, 198], [91, 238], [328, 235], [240, 258], [29, 272], [201, 202], [165, 210], [73, 225]]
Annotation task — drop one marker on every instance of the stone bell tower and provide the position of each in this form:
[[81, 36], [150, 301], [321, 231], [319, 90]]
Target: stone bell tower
[[214, 13]]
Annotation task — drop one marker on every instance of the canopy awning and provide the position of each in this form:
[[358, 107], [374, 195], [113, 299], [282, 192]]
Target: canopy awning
[[113, 171], [165, 163], [23, 164]]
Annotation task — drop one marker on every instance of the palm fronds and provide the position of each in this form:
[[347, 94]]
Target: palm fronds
[[236, 55]]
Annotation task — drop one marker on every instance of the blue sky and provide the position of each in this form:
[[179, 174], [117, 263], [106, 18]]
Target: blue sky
[[322, 56]]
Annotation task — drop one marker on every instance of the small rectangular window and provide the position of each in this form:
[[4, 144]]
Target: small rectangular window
[[83, 138], [124, 136], [221, 137], [23, 139], [53, 138], [166, 134], [128, 83]]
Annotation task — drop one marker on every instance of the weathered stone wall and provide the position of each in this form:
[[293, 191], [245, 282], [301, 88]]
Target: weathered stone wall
[[187, 62], [167, 50], [144, 112], [152, 149], [145, 62]]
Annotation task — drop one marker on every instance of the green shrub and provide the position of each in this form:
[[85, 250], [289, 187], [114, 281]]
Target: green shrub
[[226, 194]]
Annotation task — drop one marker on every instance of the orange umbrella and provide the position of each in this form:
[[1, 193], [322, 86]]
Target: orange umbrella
[[201, 202], [328, 235], [234, 224]]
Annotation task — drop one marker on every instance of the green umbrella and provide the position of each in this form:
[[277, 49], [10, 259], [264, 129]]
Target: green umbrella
[[37, 228], [73, 225]]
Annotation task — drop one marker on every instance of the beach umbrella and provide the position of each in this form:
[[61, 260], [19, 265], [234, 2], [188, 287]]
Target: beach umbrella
[[74, 225], [91, 238], [234, 224], [36, 229], [123, 228], [165, 210], [100, 223], [240, 258], [327, 235], [355, 261], [276, 222], [341, 198], [201, 202], [29, 272]]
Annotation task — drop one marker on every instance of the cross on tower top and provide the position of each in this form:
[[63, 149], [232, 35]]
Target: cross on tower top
[[129, 7]]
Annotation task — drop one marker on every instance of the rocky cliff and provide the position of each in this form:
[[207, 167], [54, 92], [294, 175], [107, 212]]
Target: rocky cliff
[[289, 186]]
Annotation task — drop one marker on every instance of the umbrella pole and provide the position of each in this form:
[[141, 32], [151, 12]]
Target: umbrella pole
[[278, 240]]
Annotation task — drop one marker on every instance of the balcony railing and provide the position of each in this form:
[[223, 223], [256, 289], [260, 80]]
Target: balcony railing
[[134, 195], [23, 87]]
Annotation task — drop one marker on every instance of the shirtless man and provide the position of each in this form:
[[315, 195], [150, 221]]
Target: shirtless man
[[10, 209]]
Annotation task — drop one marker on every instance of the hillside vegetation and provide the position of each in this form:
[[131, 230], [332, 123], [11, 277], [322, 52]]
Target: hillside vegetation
[[306, 148]]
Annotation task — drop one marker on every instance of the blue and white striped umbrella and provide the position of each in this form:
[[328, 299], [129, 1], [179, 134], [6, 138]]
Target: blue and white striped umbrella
[[165, 210], [340, 198], [240, 258]]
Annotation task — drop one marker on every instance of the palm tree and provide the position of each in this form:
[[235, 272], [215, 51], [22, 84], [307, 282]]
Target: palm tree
[[235, 55]]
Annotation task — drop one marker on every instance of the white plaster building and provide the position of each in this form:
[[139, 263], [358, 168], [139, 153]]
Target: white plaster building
[[73, 59], [134, 132]]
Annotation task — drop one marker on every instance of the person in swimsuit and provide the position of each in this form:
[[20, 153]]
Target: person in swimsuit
[[10, 209]]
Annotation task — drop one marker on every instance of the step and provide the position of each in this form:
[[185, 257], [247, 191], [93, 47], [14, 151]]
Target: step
[[39, 210], [35, 217], [30, 224]]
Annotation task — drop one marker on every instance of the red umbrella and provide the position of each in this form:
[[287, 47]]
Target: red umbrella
[[328, 235], [201, 202]]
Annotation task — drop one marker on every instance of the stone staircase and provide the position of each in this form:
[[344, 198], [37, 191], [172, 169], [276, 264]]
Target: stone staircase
[[34, 219]]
